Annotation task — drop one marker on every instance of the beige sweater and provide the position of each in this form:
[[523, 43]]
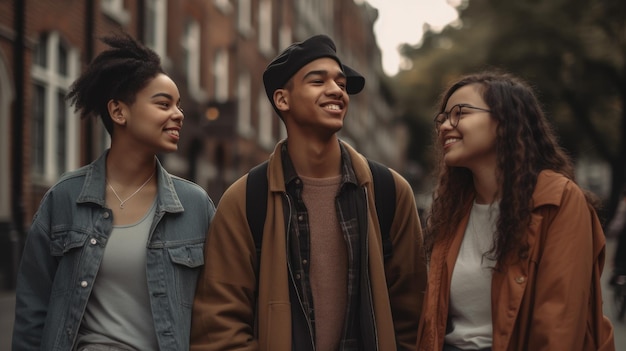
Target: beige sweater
[[328, 272]]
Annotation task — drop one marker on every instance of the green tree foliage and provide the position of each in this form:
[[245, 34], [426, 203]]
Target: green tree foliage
[[572, 51]]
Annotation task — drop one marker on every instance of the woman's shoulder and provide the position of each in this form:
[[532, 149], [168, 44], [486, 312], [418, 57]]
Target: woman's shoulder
[[185, 183], [71, 181], [552, 187], [186, 187]]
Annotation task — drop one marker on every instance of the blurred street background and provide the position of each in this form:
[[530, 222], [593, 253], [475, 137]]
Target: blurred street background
[[572, 51], [609, 307]]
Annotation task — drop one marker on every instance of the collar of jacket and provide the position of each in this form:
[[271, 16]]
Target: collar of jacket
[[94, 187], [549, 189], [291, 174], [355, 167]]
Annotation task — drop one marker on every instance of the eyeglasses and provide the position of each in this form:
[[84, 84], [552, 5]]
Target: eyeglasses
[[454, 115]]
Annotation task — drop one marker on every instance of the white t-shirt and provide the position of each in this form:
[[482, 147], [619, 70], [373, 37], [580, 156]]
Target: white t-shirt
[[469, 315]]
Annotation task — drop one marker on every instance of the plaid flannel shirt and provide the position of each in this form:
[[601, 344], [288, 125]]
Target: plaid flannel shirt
[[299, 246]]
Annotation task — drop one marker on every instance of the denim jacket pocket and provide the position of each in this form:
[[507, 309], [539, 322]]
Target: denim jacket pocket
[[63, 242], [191, 256], [187, 261], [67, 247]]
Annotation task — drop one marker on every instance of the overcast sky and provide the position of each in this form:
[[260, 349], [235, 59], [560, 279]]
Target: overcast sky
[[401, 21]]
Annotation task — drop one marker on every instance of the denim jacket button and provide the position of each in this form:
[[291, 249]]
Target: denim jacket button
[[105, 215], [93, 241], [84, 284]]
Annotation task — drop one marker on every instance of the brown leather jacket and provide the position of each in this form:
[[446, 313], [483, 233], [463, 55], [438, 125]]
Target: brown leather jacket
[[550, 300]]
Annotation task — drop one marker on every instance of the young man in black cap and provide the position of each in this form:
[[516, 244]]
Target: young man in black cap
[[322, 281]]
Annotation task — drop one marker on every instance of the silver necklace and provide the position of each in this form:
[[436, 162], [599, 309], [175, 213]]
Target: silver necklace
[[122, 202]]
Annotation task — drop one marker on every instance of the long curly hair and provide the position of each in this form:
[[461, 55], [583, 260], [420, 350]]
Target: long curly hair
[[117, 73], [526, 144]]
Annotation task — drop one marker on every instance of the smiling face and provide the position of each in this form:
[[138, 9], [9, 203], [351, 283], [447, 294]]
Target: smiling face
[[154, 119], [315, 99], [472, 144]]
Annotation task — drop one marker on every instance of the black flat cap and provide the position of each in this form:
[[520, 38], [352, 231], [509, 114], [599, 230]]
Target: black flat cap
[[297, 55]]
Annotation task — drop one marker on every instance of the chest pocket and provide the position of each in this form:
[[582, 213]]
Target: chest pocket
[[191, 256], [64, 242], [186, 261], [67, 247]]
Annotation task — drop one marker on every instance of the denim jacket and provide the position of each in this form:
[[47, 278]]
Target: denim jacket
[[65, 246]]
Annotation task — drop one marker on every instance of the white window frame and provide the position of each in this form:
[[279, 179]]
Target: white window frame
[[157, 11], [244, 104], [221, 75], [54, 84], [191, 44], [265, 28], [285, 37], [115, 10], [244, 18], [317, 15], [105, 138], [266, 122], [224, 5]]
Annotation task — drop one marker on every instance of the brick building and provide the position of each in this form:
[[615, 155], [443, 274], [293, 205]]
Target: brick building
[[216, 51]]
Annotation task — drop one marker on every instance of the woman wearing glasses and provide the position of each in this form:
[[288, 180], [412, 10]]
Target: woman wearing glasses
[[515, 246]]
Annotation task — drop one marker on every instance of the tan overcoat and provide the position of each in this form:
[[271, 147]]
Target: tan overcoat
[[223, 311]]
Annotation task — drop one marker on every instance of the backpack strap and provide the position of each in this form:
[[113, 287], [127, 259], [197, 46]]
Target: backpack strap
[[256, 203], [385, 199]]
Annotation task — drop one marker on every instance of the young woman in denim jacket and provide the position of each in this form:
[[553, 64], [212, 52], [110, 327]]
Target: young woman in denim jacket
[[114, 250], [515, 246]]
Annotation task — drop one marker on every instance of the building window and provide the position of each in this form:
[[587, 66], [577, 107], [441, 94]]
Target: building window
[[284, 37], [244, 17], [104, 139], [156, 26], [265, 27], [220, 75], [54, 129], [223, 5], [266, 119], [317, 15], [115, 10], [244, 127], [191, 51]]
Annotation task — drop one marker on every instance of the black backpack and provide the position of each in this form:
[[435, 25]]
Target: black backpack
[[385, 199]]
